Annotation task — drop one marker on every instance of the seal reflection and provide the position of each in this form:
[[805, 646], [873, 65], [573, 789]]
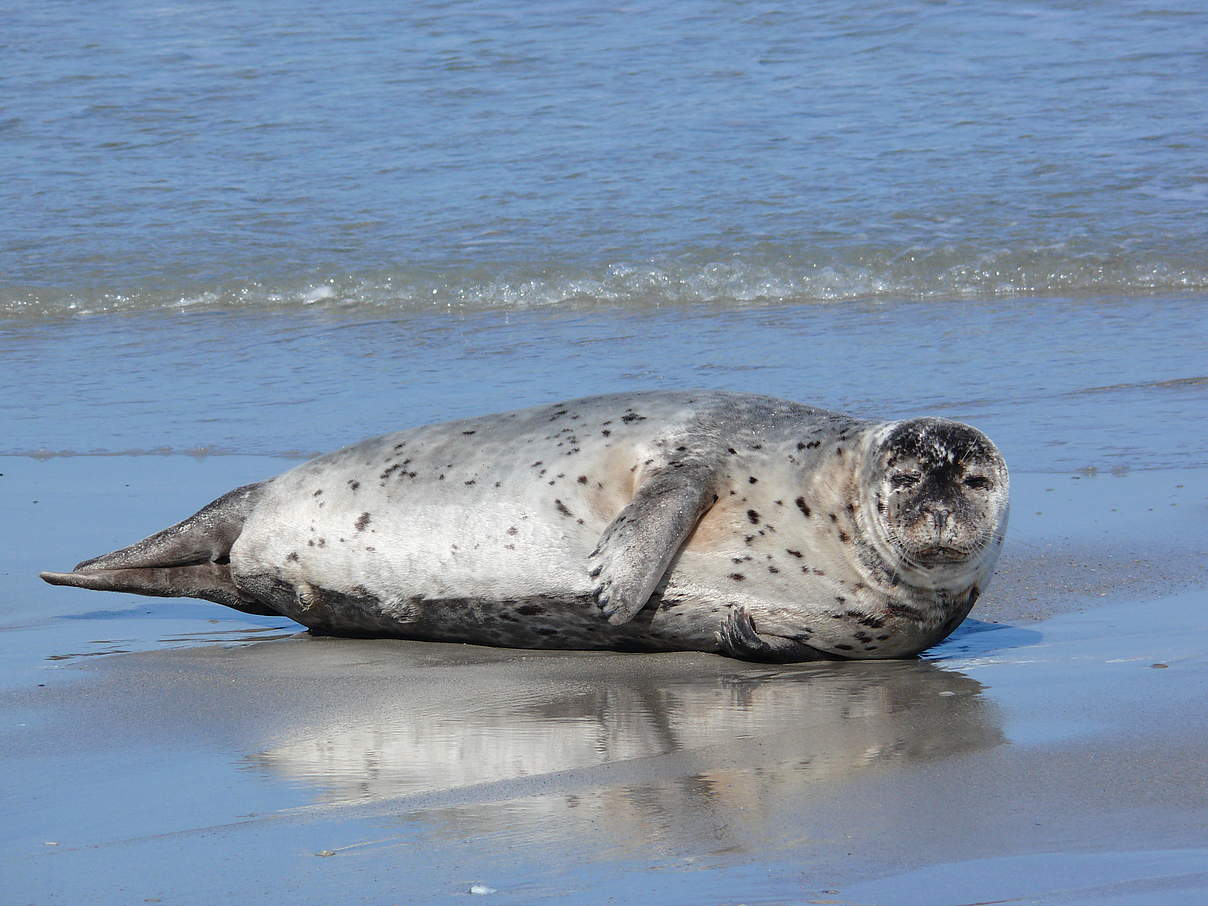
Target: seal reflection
[[619, 745]]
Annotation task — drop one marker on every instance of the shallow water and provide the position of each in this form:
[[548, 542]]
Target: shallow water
[[501, 155], [1059, 384], [293, 231]]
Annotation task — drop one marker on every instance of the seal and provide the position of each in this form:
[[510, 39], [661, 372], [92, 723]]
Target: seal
[[688, 520]]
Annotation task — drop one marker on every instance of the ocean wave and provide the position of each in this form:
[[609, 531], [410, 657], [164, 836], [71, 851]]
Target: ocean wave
[[755, 276]]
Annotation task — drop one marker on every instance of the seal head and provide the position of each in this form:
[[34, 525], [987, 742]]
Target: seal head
[[937, 495]]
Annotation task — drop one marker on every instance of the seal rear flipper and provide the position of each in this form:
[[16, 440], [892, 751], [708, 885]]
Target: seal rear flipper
[[186, 560], [209, 581], [207, 535], [640, 543]]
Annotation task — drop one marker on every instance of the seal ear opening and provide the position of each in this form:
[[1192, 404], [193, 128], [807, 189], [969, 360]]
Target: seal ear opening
[[187, 560]]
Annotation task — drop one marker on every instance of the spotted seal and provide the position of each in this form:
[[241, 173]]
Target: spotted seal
[[713, 521]]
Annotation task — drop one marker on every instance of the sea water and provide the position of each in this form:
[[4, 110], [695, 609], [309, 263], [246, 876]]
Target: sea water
[[274, 228]]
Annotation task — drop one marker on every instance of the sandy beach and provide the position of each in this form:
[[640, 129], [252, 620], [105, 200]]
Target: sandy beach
[[1050, 751]]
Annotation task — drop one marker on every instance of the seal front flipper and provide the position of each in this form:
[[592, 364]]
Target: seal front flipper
[[640, 543], [738, 639], [186, 560]]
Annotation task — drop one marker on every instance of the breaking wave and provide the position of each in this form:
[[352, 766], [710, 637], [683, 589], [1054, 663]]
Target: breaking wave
[[756, 276]]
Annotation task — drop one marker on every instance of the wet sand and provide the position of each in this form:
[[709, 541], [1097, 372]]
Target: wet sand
[[1052, 751]]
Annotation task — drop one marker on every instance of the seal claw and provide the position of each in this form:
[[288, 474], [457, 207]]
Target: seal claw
[[738, 638]]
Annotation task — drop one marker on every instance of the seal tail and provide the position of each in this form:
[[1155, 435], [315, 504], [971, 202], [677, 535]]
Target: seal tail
[[188, 560]]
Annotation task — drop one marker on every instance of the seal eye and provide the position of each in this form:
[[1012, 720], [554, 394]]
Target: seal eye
[[978, 482], [904, 480]]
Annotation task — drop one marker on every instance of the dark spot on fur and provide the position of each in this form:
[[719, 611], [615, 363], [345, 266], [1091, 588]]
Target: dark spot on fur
[[737, 577], [680, 449], [310, 543], [536, 464], [440, 477], [467, 432], [470, 482], [756, 446], [818, 572], [845, 647], [839, 451], [362, 522], [512, 530], [844, 537], [801, 505], [752, 480], [833, 517], [731, 451], [293, 557], [354, 485], [840, 599], [562, 507], [530, 610], [813, 444], [582, 479], [317, 493], [800, 445], [796, 554], [882, 638], [773, 569], [866, 619], [753, 516]]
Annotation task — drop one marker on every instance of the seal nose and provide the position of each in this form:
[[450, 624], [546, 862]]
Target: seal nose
[[940, 517]]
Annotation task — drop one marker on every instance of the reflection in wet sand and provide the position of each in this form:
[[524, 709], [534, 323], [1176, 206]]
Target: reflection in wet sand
[[627, 750]]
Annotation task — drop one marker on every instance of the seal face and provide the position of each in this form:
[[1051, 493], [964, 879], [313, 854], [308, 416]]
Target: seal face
[[939, 491], [689, 520]]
